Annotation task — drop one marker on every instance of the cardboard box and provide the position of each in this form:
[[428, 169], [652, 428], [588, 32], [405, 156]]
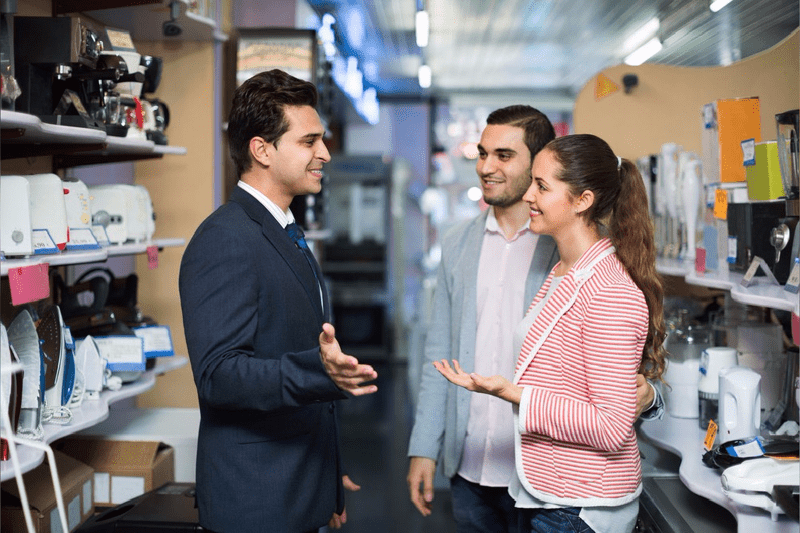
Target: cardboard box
[[76, 480], [122, 469]]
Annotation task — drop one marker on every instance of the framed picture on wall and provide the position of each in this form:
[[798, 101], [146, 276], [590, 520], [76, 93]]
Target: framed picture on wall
[[291, 50]]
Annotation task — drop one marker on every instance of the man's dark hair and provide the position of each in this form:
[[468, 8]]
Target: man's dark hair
[[258, 111], [537, 127]]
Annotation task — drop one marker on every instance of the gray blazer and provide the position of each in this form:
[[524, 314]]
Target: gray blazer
[[440, 425]]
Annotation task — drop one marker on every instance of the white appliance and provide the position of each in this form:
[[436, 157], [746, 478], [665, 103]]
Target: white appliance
[[712, 360], [125, 211], [739, 403], [48, 209], [15, 216]]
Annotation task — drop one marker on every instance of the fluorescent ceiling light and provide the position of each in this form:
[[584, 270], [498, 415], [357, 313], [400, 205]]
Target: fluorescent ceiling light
[[642, 34], [424, 76], [644, 52], [422, 28], [716, 5]]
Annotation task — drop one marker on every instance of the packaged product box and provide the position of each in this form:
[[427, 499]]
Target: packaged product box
[[726, 123], [122, 469], [76, 479]]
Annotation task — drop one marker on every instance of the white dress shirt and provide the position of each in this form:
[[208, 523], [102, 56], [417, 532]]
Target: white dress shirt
[[488, 457]]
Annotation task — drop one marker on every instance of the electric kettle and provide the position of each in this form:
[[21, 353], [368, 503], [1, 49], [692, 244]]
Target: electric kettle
[[739, 403], [712, 361]]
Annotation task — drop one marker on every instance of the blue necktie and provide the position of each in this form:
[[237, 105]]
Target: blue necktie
[[296, 234]]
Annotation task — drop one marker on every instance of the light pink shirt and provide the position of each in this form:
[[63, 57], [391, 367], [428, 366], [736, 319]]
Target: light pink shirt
[[488, 457]]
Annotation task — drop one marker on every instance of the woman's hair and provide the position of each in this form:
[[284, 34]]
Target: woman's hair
[[620, 205], [258, 111]]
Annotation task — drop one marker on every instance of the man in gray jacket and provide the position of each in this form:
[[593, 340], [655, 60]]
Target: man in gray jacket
[[491, 268]]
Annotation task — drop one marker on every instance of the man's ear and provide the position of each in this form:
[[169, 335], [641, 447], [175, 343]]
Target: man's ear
[[260, 151]]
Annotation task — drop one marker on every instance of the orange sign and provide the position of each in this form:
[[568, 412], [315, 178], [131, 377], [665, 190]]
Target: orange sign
[[604, 86], [721, 204]]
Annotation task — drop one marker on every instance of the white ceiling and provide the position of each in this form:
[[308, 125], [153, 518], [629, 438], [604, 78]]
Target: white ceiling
[[548, 47]]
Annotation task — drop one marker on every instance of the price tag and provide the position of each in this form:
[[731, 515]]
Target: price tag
[[721, 204], [82, 239], [152, 257], [700, 260], [748, 449], [43, 243], [100, 234], [793, 283], [157, 340], [123, 352], [711, 435], [731, 250], [29, 283], [753, 269], [708, 116], [749, 152]]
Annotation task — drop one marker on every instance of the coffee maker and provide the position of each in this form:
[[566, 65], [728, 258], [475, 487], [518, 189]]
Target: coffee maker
[[784, 236], [63, 76]]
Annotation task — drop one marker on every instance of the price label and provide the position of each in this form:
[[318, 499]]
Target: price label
[[749, 152], [721, 204], [711, 435], [793, 283], [152, 257], [29, 283], [700, 260]]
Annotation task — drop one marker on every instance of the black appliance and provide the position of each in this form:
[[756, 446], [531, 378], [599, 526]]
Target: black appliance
[[751, 223], [168, 508], [62, 75]]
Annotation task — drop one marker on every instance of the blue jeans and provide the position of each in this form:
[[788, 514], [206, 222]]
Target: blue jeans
[[479, 509], [563, 520]]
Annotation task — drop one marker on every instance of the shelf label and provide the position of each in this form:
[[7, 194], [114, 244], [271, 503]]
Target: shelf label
[[793, 283], [152, 257], [82, 239], [711, 435], [123, 352], [753, 269], [29, 283], [749, 152], [721, 204], [43, 243], [731, 250], [157, 340], [700, 260]]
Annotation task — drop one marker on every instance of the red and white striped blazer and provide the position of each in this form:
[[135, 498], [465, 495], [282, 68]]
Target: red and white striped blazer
[[576, 443]]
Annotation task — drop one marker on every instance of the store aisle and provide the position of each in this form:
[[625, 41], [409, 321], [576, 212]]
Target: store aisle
[[374, 435]]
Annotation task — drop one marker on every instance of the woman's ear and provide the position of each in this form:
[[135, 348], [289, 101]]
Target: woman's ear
[[260, 151], [585, 201]]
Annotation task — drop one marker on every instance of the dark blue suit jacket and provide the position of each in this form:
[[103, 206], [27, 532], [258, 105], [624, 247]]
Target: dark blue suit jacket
[[268, 456]]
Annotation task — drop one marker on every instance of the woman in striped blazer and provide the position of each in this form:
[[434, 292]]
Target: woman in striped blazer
[[596, 322]]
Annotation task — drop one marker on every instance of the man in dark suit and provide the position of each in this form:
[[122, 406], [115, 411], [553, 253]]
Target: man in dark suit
[[266, 363]]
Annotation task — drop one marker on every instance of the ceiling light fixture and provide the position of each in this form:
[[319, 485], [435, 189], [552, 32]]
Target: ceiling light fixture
[[422, 28], [716, 5], [424, 74], [642, 34], [644, 52]]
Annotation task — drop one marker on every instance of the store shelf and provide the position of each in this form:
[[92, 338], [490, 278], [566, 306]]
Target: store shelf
[[89, 413], [88, 256], [684, 437], [760, 292], [25, 135]]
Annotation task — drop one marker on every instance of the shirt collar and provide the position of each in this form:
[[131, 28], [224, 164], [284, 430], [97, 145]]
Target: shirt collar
[[283, 218], [493, 227]]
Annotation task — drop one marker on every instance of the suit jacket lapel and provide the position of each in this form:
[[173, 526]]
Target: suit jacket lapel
[[287, 250]]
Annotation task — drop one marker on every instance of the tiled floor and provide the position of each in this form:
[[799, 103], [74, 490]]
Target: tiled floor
[[374, 436]]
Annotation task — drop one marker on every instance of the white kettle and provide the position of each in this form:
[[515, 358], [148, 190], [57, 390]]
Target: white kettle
[[739, 403]]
